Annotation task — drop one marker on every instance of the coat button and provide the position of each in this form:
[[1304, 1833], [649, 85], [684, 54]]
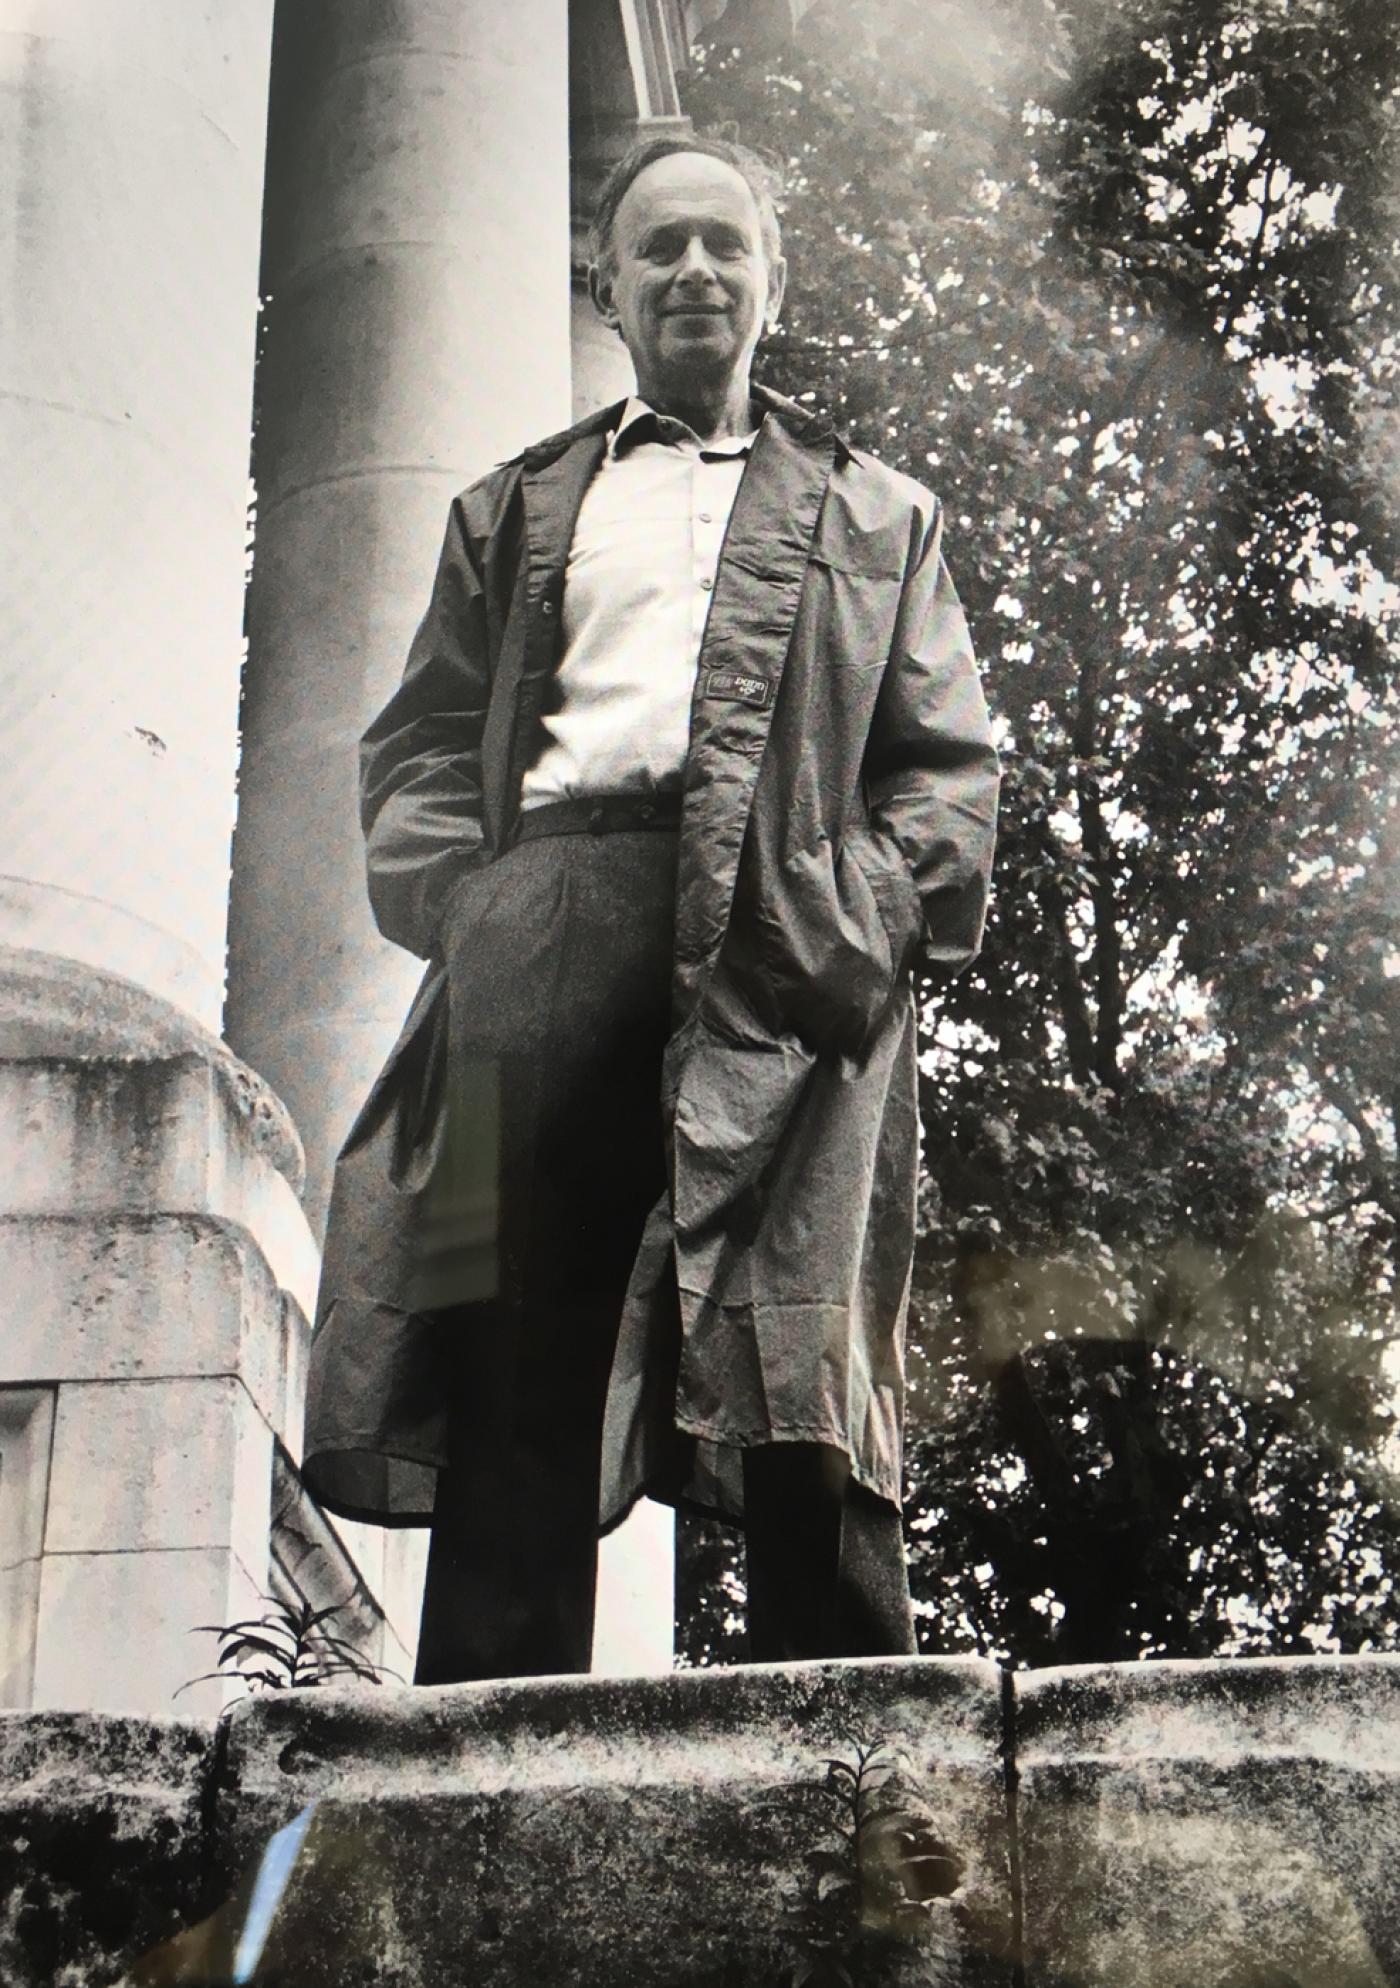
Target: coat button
[[598, 820], [645, 812], [546, 607]]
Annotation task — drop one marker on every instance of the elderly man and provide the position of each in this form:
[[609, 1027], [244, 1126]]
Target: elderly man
[[688, 765]]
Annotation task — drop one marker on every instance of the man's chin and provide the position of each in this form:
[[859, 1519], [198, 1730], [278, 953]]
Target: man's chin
[[701, 331], [709, 351]]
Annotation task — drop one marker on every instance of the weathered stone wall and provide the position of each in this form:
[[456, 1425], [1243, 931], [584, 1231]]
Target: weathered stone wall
[[1154, 1826], [103, 1841], [1212, 1825]]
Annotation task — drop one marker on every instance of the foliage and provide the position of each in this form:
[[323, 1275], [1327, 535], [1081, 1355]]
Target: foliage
[[878, 1882], [1118, 279], [288, 1648], [710, 1592]]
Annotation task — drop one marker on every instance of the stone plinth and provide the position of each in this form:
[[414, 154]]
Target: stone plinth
[[650, 1834], [156, 1273], [101, 1842], [1211, 1825]]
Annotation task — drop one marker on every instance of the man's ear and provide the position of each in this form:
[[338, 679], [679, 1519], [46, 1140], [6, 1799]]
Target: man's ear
[[600, 289], [777, 284]]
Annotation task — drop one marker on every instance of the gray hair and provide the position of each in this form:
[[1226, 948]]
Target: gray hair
[[761, 181]]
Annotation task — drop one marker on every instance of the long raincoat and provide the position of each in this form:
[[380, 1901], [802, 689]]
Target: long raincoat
[[838, 819]]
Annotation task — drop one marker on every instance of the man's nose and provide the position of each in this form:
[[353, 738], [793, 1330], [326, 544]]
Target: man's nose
[[697, 265]]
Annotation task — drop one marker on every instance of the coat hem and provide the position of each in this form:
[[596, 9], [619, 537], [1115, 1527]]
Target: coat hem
[[791, 1432], [328, 1463]]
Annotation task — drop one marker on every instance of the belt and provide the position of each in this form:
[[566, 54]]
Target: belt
[[600, 814]]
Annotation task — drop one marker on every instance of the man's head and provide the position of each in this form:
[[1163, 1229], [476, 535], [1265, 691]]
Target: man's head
[[687, 264]]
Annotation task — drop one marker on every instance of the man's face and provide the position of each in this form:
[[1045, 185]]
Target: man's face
[[690, 286]]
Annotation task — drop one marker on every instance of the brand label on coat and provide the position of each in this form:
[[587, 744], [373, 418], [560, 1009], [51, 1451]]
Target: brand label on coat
[[755, 690]]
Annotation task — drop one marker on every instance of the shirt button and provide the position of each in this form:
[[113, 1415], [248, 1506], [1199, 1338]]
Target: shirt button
[[707, 583], [706, 518]]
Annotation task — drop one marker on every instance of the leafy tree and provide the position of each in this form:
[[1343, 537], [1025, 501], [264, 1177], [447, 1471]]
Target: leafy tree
[[1118, 280]]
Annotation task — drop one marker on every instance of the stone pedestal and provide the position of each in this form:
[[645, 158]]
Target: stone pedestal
[[131, 154], [156, 1271], [371, 1576]]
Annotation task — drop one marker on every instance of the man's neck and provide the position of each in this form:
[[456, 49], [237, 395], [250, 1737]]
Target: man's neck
[[714, 415]]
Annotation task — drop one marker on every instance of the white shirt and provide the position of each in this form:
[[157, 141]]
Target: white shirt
[[637, 591]]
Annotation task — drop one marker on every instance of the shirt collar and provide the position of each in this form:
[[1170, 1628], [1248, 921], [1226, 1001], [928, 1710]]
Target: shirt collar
[[640, 422]]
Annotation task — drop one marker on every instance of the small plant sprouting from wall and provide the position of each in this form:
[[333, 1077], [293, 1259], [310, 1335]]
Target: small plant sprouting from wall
[[289, 1648], [872, 1915]]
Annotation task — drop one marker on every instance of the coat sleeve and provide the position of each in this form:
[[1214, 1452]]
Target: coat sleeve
[[931, 769], [420, 760]]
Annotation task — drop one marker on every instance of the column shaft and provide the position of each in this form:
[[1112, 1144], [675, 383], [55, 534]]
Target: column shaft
[[416, 270], [131, 149]]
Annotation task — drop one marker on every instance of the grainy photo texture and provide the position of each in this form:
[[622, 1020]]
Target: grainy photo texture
[[700, 994]]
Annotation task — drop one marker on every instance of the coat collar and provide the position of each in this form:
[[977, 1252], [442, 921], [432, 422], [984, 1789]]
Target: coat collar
[[639, 422], [803, 424]]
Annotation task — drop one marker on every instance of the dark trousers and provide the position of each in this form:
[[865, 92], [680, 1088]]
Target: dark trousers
[[562, 984]]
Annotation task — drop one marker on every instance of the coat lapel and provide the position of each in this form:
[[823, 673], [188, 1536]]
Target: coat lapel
[[553, 480], [746, 642]]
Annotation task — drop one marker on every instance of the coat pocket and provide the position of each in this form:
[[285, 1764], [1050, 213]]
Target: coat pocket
[[820, 939], [883, 865]]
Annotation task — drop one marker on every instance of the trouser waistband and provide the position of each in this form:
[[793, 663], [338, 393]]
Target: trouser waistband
[[600, 814]]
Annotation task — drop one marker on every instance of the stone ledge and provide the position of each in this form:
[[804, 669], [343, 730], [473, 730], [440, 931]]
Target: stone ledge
[[648, 1833], [1222, 1825], [102, 1842], [1214, 1823]]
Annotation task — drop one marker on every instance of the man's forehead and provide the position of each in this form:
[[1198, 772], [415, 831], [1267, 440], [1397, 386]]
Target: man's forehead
[[683, 185]]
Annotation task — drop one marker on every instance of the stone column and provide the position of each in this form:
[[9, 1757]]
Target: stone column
[[416, 269], [131, 155]]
